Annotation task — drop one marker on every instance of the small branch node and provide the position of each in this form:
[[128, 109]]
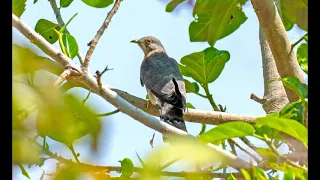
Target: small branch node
[[257, 99]]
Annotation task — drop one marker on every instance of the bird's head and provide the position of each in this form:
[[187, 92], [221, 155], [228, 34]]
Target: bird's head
[[149, 44]]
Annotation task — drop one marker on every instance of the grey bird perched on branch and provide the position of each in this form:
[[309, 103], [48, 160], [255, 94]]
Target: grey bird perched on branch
[[163, 81]]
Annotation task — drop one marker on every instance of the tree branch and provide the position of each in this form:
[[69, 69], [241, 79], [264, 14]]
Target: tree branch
[[56, 11], [64, 75], [93, 43], [275, 33], [112, 97]]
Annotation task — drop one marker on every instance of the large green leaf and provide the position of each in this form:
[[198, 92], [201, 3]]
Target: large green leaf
[[288, 126], [227, 131], [216, 19], [64, 118], [18, 7], [98, 3], [293, 111], [205, 66], [65, 3], [70, 44], [295, 12], [173, 4], [295, 85], [24, 60], [46, 29], [127, 167], [302, 56], [191, 87]]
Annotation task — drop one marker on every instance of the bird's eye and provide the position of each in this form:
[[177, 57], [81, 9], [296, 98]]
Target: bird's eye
[[148, 41]]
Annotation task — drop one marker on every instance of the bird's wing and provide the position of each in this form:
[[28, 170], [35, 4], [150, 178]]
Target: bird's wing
[[160, 74]]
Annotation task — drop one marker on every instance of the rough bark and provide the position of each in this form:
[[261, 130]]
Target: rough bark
[[276, 35]]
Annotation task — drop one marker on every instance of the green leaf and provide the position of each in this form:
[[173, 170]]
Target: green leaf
[[189, 105], [65, 3], [293, 111], [205, 66], [24, 172], [231, 177], [63, 118], [71, 45], [227, 131], [295, 85], [216, 19], [288, 126], [25, 60], [302, 56], [267, 154], [191, 87], [295, 12], [127, 167], [272, 133], [18, 7], [245, 174], [173, 4], [289, 170], [259, 174], [35, 1], [98, 3], [46, 29]]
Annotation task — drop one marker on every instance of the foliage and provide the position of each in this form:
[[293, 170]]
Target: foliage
[[64, 118]]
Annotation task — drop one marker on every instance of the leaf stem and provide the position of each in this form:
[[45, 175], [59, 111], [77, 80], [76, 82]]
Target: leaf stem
[[201, 95], [74, 153], [109, 113], [297, 42], [209, 97]]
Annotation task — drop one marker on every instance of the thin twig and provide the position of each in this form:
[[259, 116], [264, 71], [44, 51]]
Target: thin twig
[[61, 23], [75, 155], [87, 97], [108, 113], [209, 97], [66, 73], [93, 43], [244, 150], [275, 150], [297, 42], [257, 99], [107, 169], [99, 75], [248, 143]]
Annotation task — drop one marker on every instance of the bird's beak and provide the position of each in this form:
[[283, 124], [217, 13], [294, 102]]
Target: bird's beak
[[135, 41]]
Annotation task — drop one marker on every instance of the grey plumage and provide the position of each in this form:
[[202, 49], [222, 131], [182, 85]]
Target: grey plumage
[[160, 74]]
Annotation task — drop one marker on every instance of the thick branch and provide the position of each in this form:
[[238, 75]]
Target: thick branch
[[276, 35], [113, 98], [93, 43], [56, 11]]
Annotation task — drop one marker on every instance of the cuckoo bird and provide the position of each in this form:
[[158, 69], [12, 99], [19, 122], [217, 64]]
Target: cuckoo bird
[[163, 81]]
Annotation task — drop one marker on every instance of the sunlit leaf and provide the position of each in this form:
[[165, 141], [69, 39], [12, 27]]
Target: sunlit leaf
[[227, 131], [173, 4], [295, 12], [293, 111], [245, 174], [216, 19], [191, 87], [126, 167], [231, 177], [288, 126], [289, 170], [70, 44], [65, 3], [302, 56], [18, 7], [294, 84], [189, 105], [46, 29], [205, 66], [267, 154], [64, 118], [24, 172], [25, 60], [24, 152], [98, 3]]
